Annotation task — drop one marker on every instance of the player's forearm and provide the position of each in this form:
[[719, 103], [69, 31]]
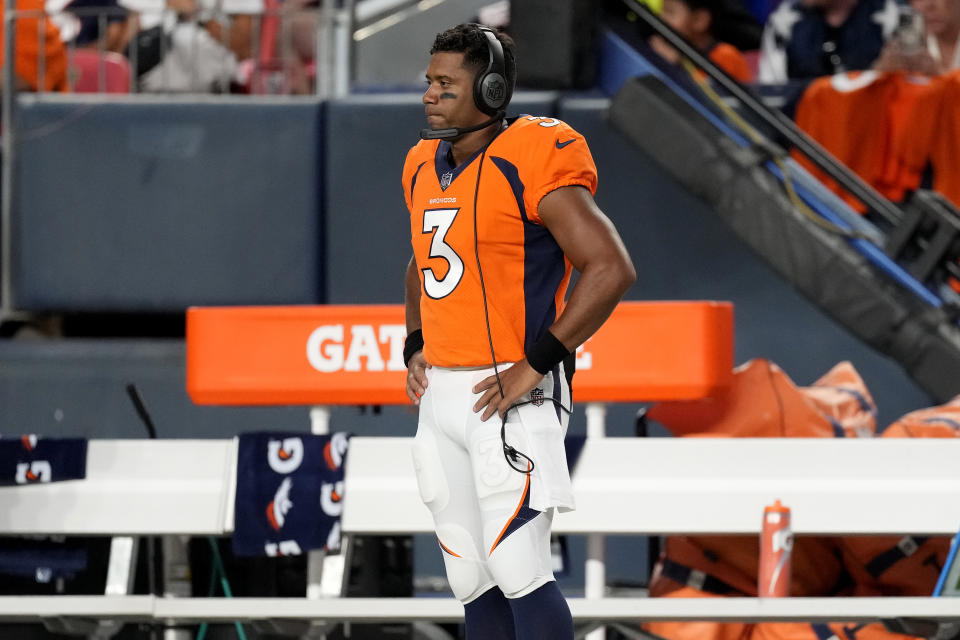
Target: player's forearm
[[412, 297], [599, 288]]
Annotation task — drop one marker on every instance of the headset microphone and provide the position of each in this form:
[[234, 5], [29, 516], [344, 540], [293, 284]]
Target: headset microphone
[[454, 132]]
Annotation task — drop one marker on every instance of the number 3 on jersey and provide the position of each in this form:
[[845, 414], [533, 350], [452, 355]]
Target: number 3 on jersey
[[438, 222]]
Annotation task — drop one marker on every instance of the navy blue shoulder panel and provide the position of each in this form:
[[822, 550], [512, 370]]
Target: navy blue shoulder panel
[[512, 174], [544, 265], [413, 182]]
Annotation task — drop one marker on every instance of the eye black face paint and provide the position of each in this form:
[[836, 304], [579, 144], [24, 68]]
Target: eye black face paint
[[448, 96]]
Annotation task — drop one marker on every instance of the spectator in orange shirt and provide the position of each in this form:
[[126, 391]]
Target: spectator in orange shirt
[[942, 22], [695, 20], [29, 38]]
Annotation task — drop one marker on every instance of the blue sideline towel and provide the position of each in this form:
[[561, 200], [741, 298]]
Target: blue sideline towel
[[289, 493], [42, 564], [29, 459]]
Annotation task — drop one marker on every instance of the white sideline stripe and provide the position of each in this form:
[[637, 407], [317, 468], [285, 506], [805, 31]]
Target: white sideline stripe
[[612, 609]]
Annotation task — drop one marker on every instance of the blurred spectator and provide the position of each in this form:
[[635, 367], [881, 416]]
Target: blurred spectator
[[893, 125], [95, 24], [293, 48], [40, 57], [806, 39], [736, 24], [941, 19], [152, 23], [927, 41], [761, 9], [193, 45], [694, 20]]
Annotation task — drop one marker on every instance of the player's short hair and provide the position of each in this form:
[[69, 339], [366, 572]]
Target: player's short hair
[[469, 40]]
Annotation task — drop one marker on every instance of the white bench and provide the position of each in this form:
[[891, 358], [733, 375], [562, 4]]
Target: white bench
[[704, 485], [622, 486]]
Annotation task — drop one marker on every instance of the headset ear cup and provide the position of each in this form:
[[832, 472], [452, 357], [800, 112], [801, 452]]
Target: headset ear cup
[[490, 90], [493, 93], [478, 98]]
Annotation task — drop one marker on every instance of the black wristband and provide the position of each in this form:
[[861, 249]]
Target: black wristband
[[411, 345], [546, 353]]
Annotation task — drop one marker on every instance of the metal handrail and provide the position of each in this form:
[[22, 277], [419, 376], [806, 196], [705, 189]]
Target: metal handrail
[[9, 132]]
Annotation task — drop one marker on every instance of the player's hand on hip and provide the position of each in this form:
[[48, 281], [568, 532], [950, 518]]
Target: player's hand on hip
[[417, 377], [517, 380]]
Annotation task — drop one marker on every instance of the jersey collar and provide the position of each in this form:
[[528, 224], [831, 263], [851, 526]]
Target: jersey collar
[[443, 159]]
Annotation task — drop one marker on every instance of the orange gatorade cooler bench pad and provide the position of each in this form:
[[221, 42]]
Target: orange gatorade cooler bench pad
[[343, 355]]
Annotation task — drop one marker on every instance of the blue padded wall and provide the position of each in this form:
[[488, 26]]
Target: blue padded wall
[[78, 388], [155, 205]]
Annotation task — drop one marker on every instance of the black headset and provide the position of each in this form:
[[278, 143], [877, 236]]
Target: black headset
[[491, 91]]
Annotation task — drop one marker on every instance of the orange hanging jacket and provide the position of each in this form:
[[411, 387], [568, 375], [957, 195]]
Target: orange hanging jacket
[[858, 117], [930, 137]]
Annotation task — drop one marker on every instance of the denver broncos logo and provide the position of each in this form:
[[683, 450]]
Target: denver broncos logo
[[331, 497], [334, 451], [29, 441], [333, 538], [283, 548], [280, 505], [36, 471], [284, 456]]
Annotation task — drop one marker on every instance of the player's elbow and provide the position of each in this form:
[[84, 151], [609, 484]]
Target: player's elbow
[[618, 274], [625, 276]]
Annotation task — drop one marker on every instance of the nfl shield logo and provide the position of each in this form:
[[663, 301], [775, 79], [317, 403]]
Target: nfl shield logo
[[536, 397], [496, 91], [446, 179]]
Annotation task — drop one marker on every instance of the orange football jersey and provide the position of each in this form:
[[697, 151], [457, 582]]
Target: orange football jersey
[[932, 133], [731, 60], [857, 117], [492, 197]]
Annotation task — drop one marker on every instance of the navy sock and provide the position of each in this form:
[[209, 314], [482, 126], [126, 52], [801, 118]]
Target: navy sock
[[489, 617], [543, 615]]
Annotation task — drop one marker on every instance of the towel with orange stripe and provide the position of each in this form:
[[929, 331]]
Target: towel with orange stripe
[[289, 493]]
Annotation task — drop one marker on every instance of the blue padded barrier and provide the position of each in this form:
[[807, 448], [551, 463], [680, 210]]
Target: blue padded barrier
[[154, 204], [78, 388]]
